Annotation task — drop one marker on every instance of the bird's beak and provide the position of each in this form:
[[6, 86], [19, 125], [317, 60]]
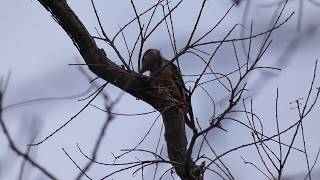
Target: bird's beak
[[142, 70]]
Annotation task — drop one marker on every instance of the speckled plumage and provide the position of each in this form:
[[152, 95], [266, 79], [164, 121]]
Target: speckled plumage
[[169, 79]]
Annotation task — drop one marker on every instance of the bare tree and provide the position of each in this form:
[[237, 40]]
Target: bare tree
[[172, 97]]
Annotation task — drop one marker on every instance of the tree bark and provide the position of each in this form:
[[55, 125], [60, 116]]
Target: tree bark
[[133, 83]]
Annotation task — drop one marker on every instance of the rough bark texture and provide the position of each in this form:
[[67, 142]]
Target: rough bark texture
[[135, 84], [175, 127]]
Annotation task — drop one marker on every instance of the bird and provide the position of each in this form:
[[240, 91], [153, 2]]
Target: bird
[[169, 80]]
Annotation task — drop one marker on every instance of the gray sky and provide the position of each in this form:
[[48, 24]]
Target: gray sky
[[38, 52]]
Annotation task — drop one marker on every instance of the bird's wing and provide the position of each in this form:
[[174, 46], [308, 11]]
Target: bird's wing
[[176, 77], [176, 74], [185, 98]]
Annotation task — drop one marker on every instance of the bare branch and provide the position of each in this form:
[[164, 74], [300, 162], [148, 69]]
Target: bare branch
[[11, 142]]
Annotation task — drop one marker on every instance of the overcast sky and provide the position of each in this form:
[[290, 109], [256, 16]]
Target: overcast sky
[[37, 52]]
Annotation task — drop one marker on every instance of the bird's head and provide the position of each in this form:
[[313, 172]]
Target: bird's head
[[151, 61]]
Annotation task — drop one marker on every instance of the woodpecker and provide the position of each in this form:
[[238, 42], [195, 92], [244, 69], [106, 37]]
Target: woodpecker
[[169, 80]]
